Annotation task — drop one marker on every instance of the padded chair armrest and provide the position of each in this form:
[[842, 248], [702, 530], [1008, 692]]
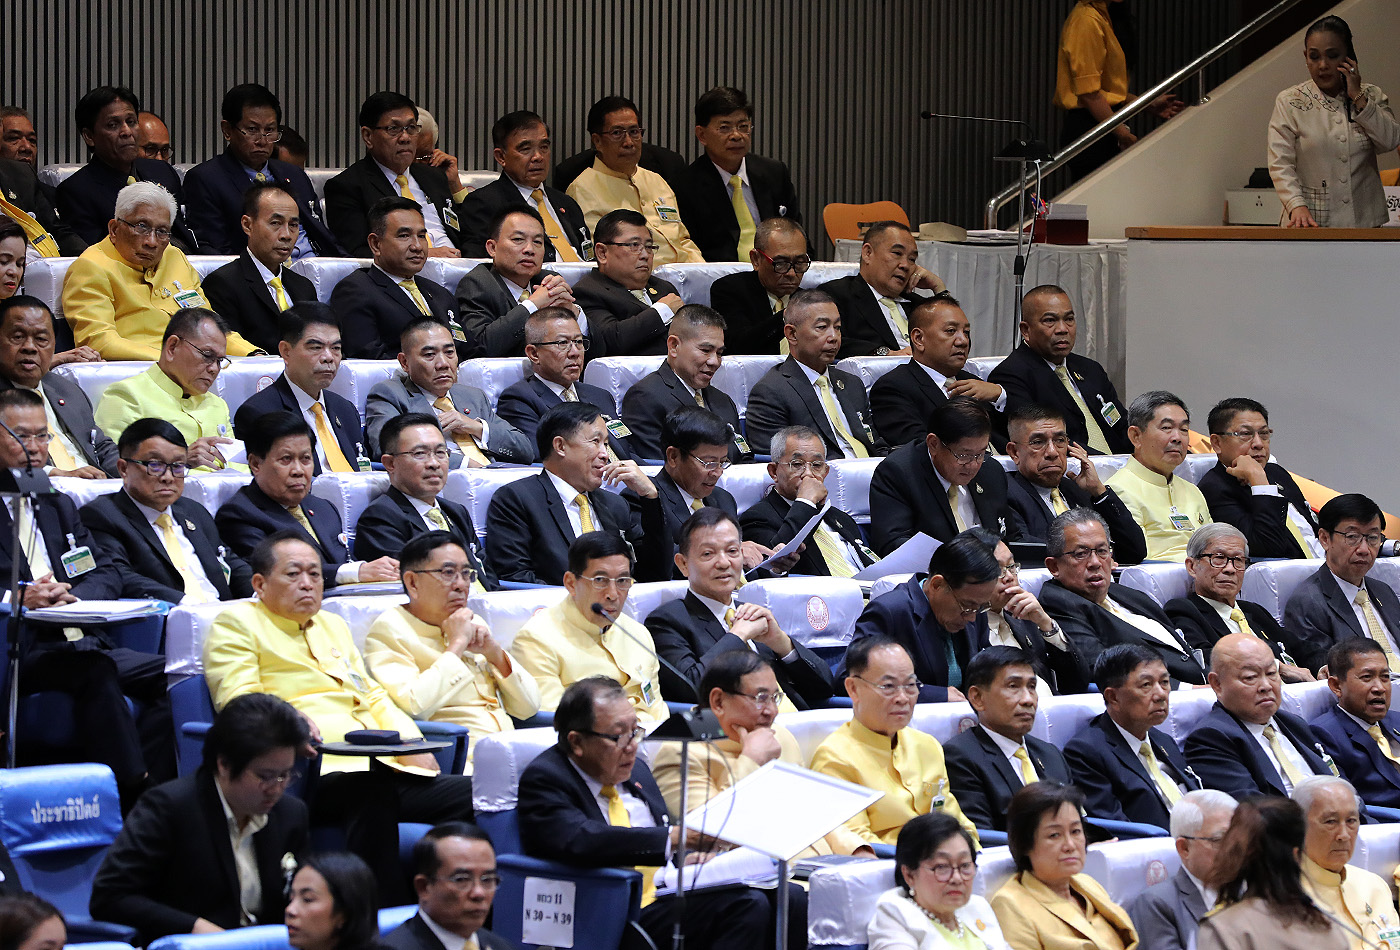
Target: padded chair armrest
[[679, 707], [519, 585], [454, 758], [1126, 829], [883, 850], [1382, 813], [98, 945], [991, 838], [763, 458], [545, 717], [195, 730], [88, 931], [539, 866], [837, 702]]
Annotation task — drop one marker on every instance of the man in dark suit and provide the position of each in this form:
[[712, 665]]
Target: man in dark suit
[[173, 870], [693, 459], [940, 339], [629, 310], [1340, 601], [254, 290], [497, 298], [1248, 491], [753, 301], [1043, 371], [941, 485], [78, 446], [23, 193], [555, 347], [251, 124], [106, 118], [455, 877], [389, 129], [731, 190], [708, 621], [415, 455], [1360, 731], [996, 758], [309, 344], [1042, 488], [1129, 768], [694, 351], [279, 498], [807, 390], [1216, 558], [875, 302], [531, 522], [522, 148], [590, 801], [167, 543], [376, 303], [1095, 612]]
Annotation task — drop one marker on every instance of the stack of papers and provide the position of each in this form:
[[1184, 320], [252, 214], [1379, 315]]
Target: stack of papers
[[366, 589], [95, 611]]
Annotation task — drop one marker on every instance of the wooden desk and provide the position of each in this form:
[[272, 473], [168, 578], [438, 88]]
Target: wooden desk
[[1260, 233]]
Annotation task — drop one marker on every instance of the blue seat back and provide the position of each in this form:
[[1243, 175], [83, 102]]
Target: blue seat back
[[263, 937], [606, 900], [190, 703]]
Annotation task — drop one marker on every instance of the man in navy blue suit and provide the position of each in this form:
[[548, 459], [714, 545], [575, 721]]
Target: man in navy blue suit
[[252, 126], [1360, 731]]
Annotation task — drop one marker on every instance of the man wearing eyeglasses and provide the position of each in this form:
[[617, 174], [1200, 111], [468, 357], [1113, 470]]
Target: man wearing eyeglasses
[[1340, 600], [251, 124], [555, 345], [1359, 730], [574, 639], [168, 543], [389, 129], [455, 877], [153, 138], [497, 298], [416, 457], [1252, 493], [119, 295], [692, 632], [435, 657], [629, 310], [876, 302], [1096, 613], [616, 181], [694, 460], [731, 188], [1168, 913], [694, 351], [176, 388], [753, 301]]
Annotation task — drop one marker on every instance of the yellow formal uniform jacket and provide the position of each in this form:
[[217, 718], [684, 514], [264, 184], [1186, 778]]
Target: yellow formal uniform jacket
[[560, 646], [1357, 897], [121, 311], [1033, 917], [600, 190], [250, 649], [410, 660], [154, 394], [715, 766], [908, 768], [1090, 57], [1151, 499]]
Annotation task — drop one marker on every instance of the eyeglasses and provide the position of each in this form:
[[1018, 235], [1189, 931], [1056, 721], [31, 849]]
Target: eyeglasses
[[489, 880], [1218, 561], [450, 574], [617, 135], [157, 468], [1351, 539], [1039, 443], [1011, 570], [1249, 435], [162, 152], [1213, 839], [817, 466], [1082, 554], [394, 131], [710, 465], [636, 247], [967, 458], [781, 265], [260, 135], [35, 438], [760, 698], [888, 690], [620, 739], [208, 357], [603, 582], [943, 873], [565, 346], [967, 611], [743, 128], [143, 229], [273, 779], [442, 453]]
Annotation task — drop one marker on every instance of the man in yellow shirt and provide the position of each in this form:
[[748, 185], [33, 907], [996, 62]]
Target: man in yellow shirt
[[615, 181], [1354, 897], [1167, 507], [177, 388], [877, 748], [119, 295], [282, 643], [572, 640], [437, 659]]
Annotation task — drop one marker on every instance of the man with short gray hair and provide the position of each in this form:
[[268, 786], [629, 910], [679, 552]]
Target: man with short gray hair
[[1167, 913], [1356, 899]]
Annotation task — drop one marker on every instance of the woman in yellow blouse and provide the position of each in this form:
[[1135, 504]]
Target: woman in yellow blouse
[[1050, 903]]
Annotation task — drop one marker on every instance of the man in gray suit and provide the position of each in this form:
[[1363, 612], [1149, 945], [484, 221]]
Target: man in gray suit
[[427, 382], [1167, 913], [497, 298], [79, 448]]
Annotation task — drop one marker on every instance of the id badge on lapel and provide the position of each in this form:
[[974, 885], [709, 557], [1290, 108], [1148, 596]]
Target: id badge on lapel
[[77, 560]]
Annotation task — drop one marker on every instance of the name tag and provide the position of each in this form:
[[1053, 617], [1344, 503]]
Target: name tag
[[740, 441], [586, 248], [449, 217], [223, 563], [458, 333], [666, 212], [78, 561], [617, 428], [648, 692], [191, 298], [1109, 411], [1180, 522], [1389, 939]]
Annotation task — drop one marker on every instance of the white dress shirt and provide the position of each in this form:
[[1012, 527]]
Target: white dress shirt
[[304, 403], [965, 506], [245, 860], [569, 493], [205, 592], [901, 338], [942, 382], [266, 275], [1223, 610], [745, 188], [521, 295], [57, 428], [638, 811], [436, 232], [847, 549], [1009, 748], [423, 508], [812, 375], [450, 941], [1294, 756], [543, 208]]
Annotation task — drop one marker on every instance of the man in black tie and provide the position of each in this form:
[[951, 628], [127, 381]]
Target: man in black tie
[[753, 301]]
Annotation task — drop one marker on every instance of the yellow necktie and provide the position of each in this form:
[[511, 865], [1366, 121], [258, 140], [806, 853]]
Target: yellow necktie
[[747, 228], [260, 176], [642, 296], [728, 617], [1290, 772], [177, 557], [585, 513], [412, 287], [957, 509], [407, 192], [301, 519], [1057, 502], [1097, 442], [1373, 626], [1375, 732], [34, 232], [618, 818], [830, 547], [1028, 773], [779, 304], [569, 395], [469, 446], [59, 455], [131, 179], [1168, 787], [700, 398], [1297, 532], [335, 459], [696, 504], [29, 540], [1237, 615], [563, 250], [278, 293], [901, 322], [838, 418]]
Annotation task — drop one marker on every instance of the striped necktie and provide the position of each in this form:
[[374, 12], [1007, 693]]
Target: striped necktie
[[838, 418], [335, 458], [1097, 442], [1374, 628], [1168, 787], [563, 250], [469, 446]]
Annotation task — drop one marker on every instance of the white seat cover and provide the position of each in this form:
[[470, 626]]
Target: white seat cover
[[818, 612]]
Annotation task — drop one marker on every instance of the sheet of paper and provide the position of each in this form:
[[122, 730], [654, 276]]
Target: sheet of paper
[[911, 557], [94, 611], [548, 916], [797, 539], [739, 866]]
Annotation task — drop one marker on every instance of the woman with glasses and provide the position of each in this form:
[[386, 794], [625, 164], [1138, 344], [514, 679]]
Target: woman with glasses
[[332, 905], [931, 906], [1050, 903]]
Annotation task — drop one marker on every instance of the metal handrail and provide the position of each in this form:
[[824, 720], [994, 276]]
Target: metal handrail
[[1140, 104]]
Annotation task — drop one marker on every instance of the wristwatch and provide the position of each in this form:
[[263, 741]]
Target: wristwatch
[[882, 351]]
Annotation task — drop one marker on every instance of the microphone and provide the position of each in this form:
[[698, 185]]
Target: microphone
[[31, 481], [978, 118], [1028, 148]]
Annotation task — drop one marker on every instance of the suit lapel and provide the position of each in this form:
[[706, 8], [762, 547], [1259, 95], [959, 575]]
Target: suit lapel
[[393, 291], [1338, 602], [705, 623], [807, 395], [1210, 616], [1000, 764], [256, 287], [138, 521], [674, 386], [67, 415], [556, 509], [874, 311], [217, 826], [1128, 756]]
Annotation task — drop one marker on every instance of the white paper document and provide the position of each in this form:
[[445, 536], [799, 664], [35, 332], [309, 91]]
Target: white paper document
[[739, 866], [94, 611], [797, 539], [911, 557]]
